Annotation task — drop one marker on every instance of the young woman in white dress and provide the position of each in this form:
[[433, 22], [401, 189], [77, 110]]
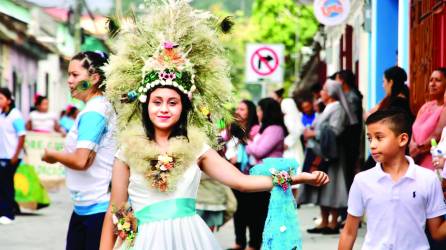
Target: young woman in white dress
[[172, 81]]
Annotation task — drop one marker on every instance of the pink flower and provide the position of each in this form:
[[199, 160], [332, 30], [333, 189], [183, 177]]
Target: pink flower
[[168, 45], [122, 235], [168, 166]]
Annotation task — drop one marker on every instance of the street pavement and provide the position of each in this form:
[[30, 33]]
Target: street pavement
[[46, 229]]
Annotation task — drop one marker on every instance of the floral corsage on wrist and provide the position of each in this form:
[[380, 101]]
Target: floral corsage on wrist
[[281, 178], [160, 171], [124, 225]]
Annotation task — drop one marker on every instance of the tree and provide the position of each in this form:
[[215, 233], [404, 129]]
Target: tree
[[284, 21]]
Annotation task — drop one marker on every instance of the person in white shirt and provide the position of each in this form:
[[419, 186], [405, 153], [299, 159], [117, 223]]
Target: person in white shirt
[[12, 139], [89, 151], [40, 120], [398, 197]]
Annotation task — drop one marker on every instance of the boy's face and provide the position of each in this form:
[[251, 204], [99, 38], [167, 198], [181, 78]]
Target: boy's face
[[385, 145]]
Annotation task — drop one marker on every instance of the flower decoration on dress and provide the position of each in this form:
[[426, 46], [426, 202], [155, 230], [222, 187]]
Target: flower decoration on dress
[[160, 170], [124, 225], [281, 178]]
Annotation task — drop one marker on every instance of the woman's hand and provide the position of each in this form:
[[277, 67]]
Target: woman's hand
[[438, 162], [309, 133], [316, 178], [14, 160], [48, 156]]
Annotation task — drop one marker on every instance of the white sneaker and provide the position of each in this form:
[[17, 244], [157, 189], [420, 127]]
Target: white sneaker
[[5, 220]]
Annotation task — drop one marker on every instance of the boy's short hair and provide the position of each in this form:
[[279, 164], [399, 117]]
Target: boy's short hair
[[398, 120]]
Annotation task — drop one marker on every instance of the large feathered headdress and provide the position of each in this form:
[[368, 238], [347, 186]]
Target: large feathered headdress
[[171, 44]]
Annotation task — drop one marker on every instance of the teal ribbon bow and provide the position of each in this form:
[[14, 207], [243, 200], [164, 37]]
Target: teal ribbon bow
[[166, 210]]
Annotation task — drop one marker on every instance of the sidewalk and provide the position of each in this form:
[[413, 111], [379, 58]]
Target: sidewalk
[[310, 241], [46, 230]]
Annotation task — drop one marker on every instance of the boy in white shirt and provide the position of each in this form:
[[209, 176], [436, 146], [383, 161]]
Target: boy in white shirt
[[398, 196]]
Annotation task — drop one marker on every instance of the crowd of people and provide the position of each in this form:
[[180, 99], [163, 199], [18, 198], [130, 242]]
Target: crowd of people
[[135, 155]]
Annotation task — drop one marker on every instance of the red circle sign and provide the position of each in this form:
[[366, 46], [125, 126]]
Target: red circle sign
[[264, 61]]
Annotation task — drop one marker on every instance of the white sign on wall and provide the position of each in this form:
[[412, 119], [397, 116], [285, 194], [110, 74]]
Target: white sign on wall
[[264, 62], [331, 12]]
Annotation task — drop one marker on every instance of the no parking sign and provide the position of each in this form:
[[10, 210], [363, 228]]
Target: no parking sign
[[264, 62]]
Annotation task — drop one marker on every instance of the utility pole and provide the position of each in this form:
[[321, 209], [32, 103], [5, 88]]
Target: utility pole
[[77, 25]]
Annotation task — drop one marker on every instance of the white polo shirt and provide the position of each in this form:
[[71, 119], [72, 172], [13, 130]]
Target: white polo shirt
[[396, 212], [94, 129], [12, 126]]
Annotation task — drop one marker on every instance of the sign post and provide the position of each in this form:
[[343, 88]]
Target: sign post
[[264, 64]]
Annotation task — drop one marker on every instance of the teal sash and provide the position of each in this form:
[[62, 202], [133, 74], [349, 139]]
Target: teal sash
[[166, 210]]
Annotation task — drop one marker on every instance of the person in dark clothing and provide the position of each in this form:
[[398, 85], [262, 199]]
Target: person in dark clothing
[[352, 135], [397, 96]]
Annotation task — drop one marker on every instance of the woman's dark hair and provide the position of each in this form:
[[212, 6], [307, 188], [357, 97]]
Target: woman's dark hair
[[243, 134], [280, 92], [399, 77], [7, 93], [235, 130], [252, 118], [180, 128], [71, 111], [442, 70], [316, 88], [39, 99], [272, 114], [93, 62], [349, 79]]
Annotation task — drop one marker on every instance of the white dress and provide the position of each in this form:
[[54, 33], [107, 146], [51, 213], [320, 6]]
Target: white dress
[[186, 233]]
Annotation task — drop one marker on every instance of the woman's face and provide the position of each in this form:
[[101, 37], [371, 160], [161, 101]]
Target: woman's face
[[79, 80], [43, 107], [259, 113], [437, 84], [164, 108], [307, 107], [387, 84], [324, 94], [4, 102], [241, 112]]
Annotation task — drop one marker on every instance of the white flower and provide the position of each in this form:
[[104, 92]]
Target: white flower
[[272, 170], [142, 98], [145, 90], [169, 81], [193, 88], [163, 168], [120, 227], [164, 158], [282, 229], [163, 83], [148, 85], [115, 219], [140, 89], [175, 84]]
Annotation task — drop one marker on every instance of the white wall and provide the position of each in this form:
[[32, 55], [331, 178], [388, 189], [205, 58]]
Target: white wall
[[58, 93]]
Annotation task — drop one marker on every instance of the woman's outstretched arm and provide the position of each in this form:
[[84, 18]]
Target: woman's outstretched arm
[[119, 196], [218, 168]]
